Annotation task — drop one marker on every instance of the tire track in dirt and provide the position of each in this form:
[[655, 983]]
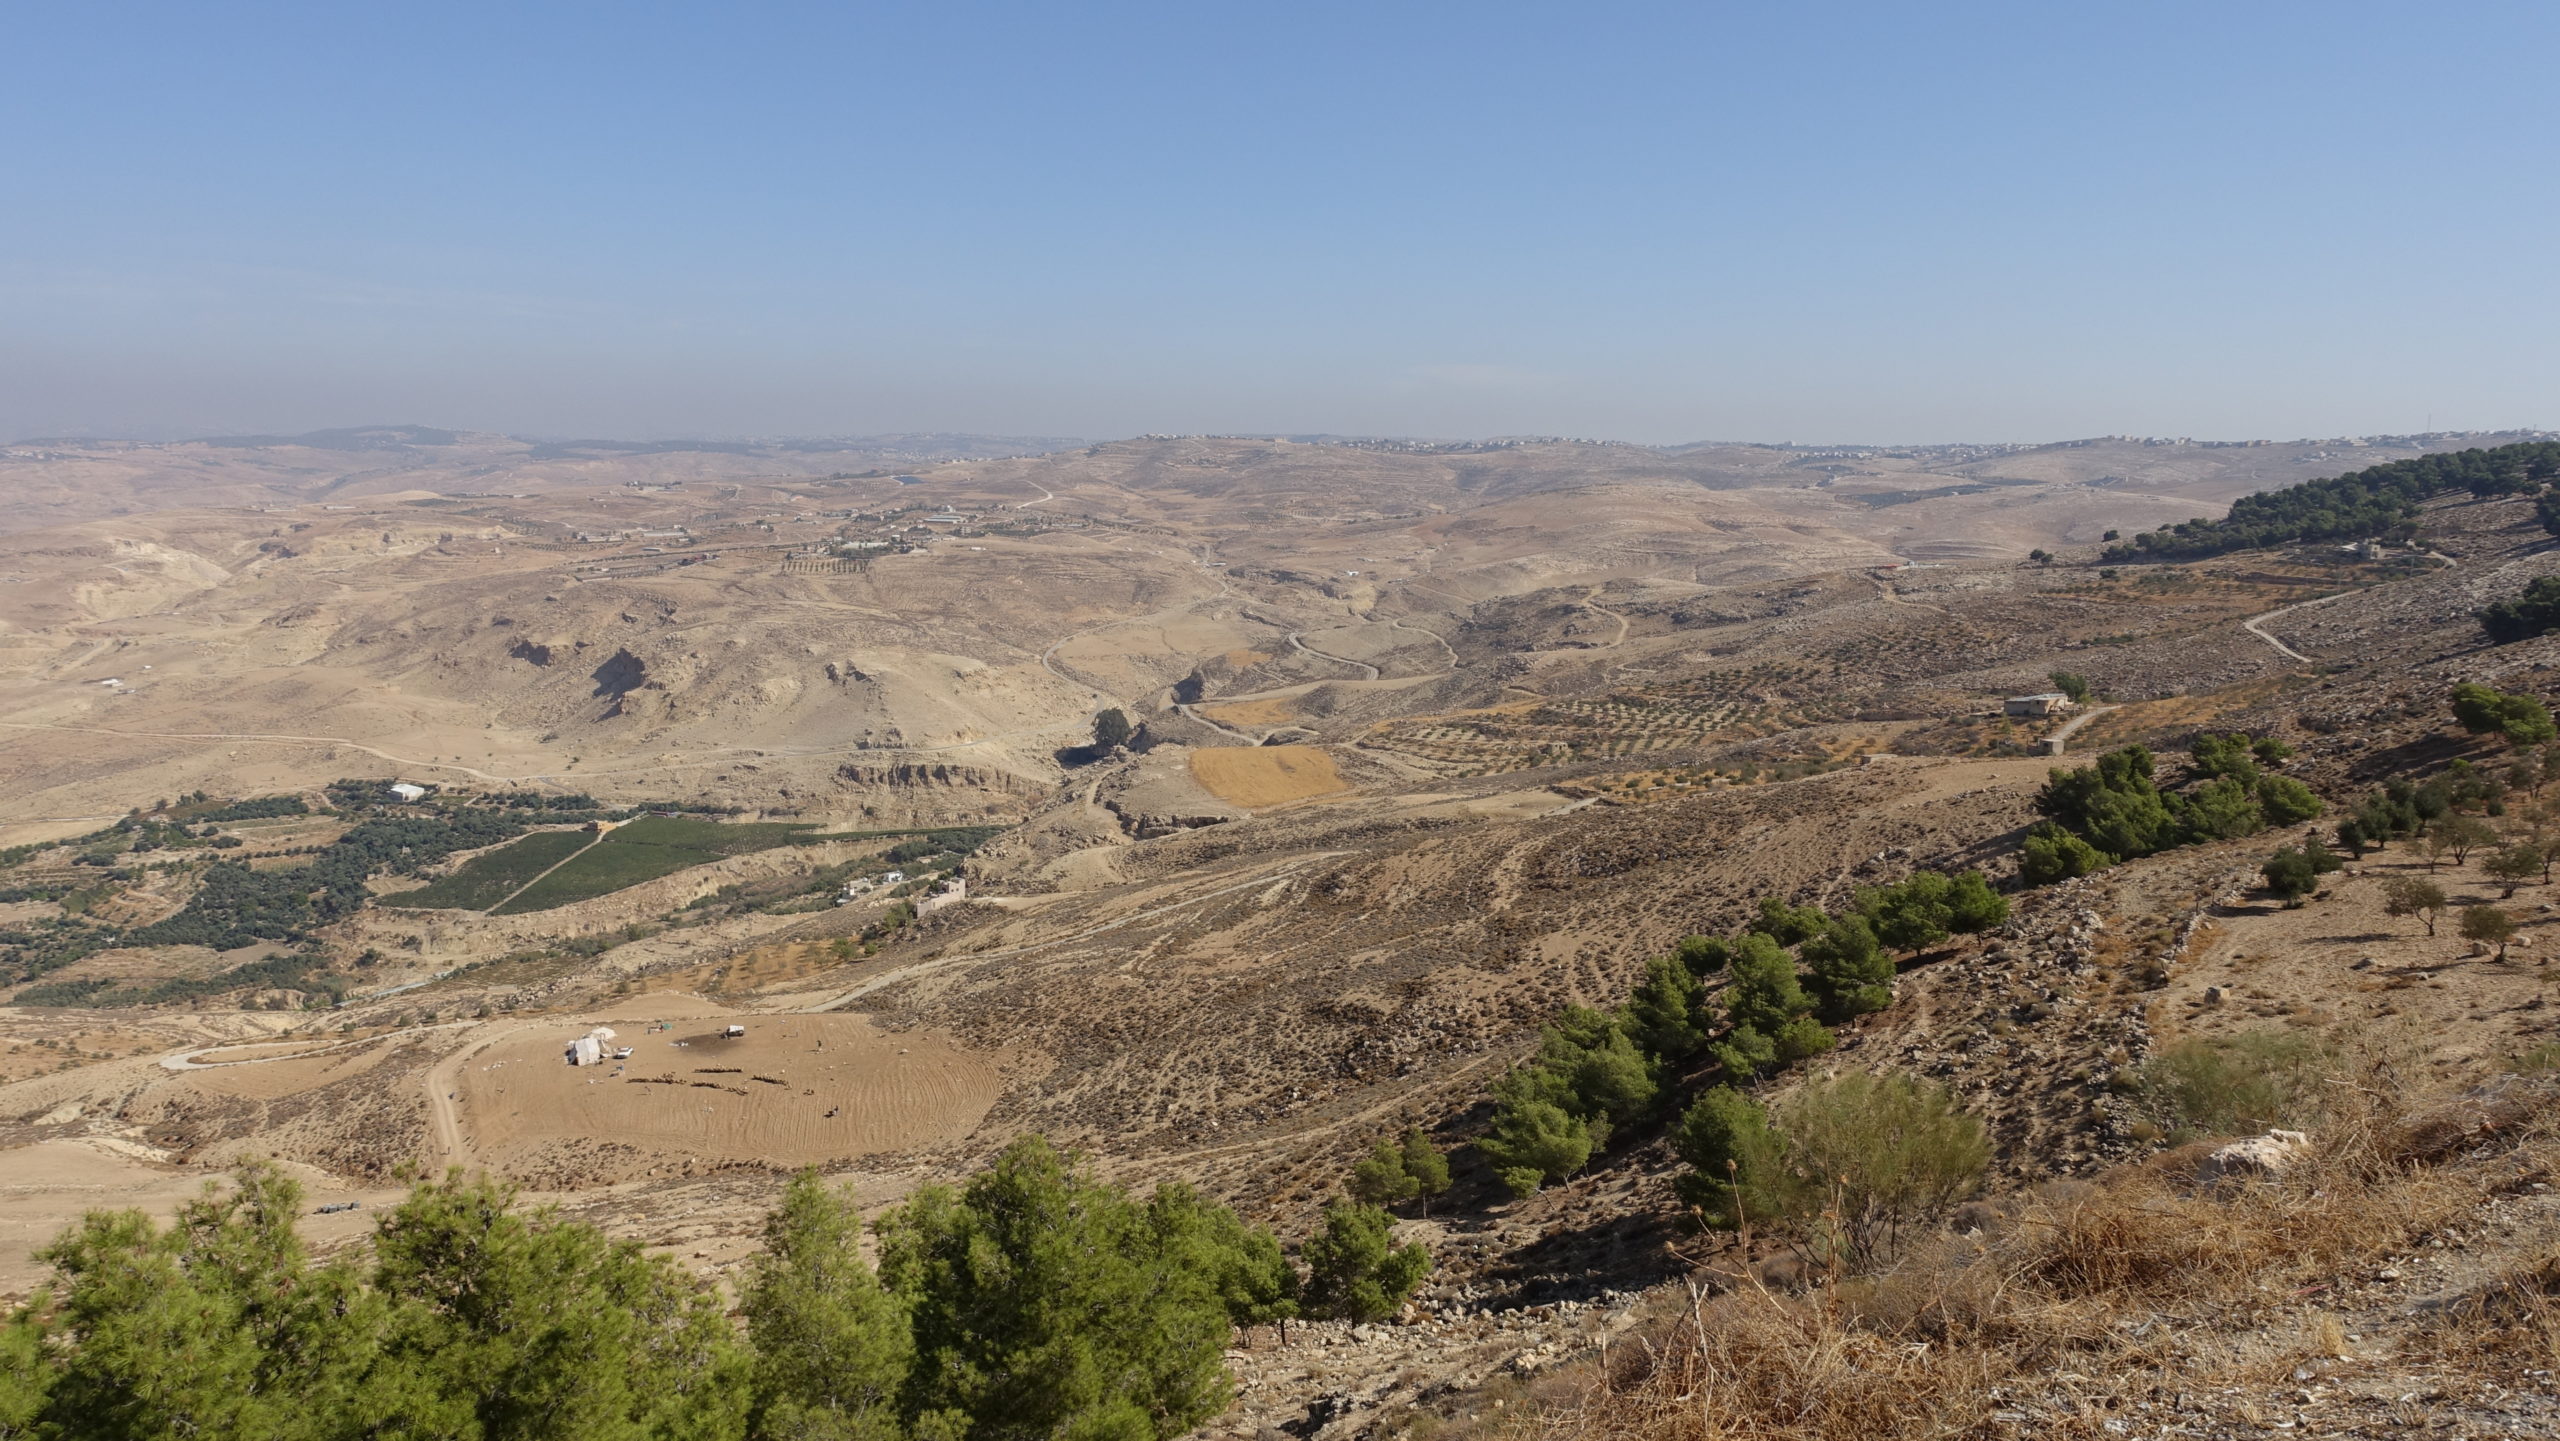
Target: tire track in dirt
[[2256, 625]]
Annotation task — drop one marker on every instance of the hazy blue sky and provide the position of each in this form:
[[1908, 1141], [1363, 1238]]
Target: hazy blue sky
[[1877, 221]]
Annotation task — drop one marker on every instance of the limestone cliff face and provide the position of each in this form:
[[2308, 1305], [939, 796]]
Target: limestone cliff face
[[943, 775]]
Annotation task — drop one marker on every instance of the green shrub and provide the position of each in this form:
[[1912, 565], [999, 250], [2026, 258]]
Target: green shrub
[[2053, 854], [2284, 801], [2290, 874], [1785, 924], [1845, 1161], [1878, 1151], [2232, 1085]]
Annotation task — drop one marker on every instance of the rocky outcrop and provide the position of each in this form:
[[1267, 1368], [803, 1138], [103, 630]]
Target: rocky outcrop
[[621, 674], [2259, 1157], [941, 775]]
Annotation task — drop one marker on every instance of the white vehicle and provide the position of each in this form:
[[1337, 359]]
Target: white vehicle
[[623, 1054], [734, 1032]]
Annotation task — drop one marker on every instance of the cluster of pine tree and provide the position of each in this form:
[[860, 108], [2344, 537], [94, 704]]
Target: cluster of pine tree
[[1034, 1301], [2378, 501], [2116, 810], [2536, 611], [1599, 1071]]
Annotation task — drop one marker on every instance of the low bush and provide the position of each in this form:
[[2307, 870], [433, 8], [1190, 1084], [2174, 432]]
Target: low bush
[[2233, 1085], [1844, 1164]]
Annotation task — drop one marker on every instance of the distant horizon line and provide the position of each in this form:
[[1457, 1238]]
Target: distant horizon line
[[414, 435]]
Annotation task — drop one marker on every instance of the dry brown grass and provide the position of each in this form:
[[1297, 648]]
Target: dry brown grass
[[2141, 721], [2085, 1303]]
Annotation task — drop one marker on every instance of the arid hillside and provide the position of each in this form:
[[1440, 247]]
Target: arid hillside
[[1424, 745]]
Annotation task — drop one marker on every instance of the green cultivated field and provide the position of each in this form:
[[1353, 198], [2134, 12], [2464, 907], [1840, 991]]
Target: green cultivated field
[[486, 880], [646, 849]]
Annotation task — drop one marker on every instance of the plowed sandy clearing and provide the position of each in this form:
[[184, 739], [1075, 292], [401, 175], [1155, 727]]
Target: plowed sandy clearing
[[1276, 710], [267, 1080], [1266, 775], [793, 1090]]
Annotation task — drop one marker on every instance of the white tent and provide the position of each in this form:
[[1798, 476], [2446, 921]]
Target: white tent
[[586, 1051]]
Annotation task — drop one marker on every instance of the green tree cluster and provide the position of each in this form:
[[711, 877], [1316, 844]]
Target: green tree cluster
[[1597, 1071], [2295, 872], [2379, 500], [2535, 611], [1589, 1076], [2116, 810], [2521, 718], [1035, 1301], [1394, 1172]]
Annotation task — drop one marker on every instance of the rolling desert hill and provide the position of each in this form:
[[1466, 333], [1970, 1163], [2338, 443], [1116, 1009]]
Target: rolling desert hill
[[1427, 744], [64, 480]]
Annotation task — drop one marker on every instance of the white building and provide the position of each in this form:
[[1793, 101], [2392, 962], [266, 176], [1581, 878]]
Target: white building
[[953, 892], [2052, 702], [407, 792]]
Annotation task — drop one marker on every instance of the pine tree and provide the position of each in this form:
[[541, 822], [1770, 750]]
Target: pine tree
[[1424, 1163], [1733, 1157], [1381, 1179], [522, 1320], [1666, 1015], [1765, 1001], [1047, 1303], [1535, 1142], [1850, 973], [1355, 1271], [832, 1348]]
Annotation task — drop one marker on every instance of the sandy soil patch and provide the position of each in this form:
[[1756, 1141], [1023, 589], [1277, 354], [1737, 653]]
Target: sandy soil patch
[[268, 1079], [49, 1185], [1258, 776], [1271, 711], [794, 1090], [263, 1051]]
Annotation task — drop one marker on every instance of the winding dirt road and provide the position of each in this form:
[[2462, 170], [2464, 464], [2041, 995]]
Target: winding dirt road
[[2256, 625], [2072, 726]]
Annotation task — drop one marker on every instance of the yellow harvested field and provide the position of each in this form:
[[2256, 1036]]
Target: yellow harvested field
[[796, 1089], [1254, 776], [1277, 710]]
